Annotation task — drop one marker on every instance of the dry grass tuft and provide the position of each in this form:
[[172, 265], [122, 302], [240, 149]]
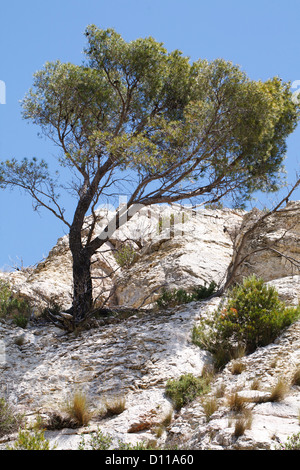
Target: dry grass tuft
[[78, 409], [236, 403], [296, 377], [210, 405], [114, 406], [279, 391], [237, 367], [243, 422]]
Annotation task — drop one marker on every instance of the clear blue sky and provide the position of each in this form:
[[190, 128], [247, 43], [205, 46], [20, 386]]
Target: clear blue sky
[[262, 36]]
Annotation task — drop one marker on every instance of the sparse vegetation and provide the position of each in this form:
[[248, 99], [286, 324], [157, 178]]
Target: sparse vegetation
[[126, 255], [236, 402], [185, 389], [5, 296], [97, 441], [10, 421], [13, 305], [237, 367], [102, 441], [175, 297], [31, 440], [252, 316], [139, 446], [20, 320], [165, 422], [243, 422], [210, 405], [113, 406], [296, 377], [58, 421], [255, 385], [78, 409], [292, 443], [279, 391]]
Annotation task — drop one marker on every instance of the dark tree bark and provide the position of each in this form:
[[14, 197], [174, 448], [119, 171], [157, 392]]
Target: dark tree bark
[[82, 287]]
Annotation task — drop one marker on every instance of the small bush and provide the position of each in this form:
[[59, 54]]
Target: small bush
[[54, 307], [12, 305], [185, 389], [97, 441], [101, 441], [253, 316], [20, 320], [142, 445], [175, 297], [57, 421], [28, 440], [9, 420], [5, 295], [255, 385], [237, 367], [125, 256], [292, 443]]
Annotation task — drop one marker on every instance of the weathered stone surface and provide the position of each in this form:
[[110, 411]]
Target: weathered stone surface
[[131, 359], [41, 366], [288, 289], [271, 422], [272, 251], [199, 252]]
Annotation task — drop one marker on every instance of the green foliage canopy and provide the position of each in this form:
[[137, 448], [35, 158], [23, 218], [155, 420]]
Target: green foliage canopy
[[196, 129]]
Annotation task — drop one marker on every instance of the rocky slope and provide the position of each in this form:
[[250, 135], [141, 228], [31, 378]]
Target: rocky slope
[[173, 247], [131, 358]]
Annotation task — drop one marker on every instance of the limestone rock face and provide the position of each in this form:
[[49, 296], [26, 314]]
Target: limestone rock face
[[41, 368], [270, 423], [52, 280], [195, 250], [174, 248], [133, 357], [272, 251]]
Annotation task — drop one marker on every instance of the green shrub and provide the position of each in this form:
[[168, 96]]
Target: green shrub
[[175, 297], [253, 316], [138, 446], [101, 441], [28, 440], [5, 295], [97, 441], [185, 389], [20, 320], [12, 305], [292, 443], [125, 256], [9, 420]]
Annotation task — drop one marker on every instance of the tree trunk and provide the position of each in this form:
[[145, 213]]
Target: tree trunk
[[82, 287]]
